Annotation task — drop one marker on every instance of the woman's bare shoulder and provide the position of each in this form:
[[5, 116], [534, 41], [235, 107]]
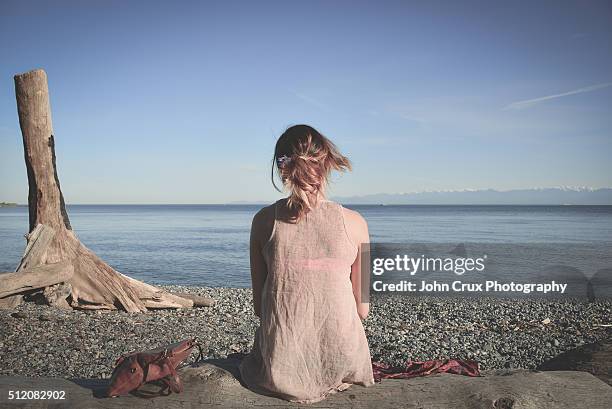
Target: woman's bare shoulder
[[264, 214], [263, 222], [356, 225], [353, 217]]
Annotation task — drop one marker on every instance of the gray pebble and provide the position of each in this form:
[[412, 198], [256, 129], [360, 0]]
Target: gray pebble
[[85, 344]]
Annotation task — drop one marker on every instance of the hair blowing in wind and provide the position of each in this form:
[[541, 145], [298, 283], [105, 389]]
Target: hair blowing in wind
[[304, 159]]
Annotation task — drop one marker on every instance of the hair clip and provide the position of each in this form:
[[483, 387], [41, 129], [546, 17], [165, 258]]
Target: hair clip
[[281, 161]]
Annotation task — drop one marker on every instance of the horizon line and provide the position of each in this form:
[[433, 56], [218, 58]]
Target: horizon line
[[347, 204]]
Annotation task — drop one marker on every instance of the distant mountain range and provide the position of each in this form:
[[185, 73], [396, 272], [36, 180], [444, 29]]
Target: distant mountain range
[[538, 196]]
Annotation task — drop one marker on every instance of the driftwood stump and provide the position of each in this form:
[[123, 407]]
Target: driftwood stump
[[54, 253]]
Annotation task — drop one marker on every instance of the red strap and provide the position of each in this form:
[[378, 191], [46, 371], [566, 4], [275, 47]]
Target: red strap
[[416, 368]]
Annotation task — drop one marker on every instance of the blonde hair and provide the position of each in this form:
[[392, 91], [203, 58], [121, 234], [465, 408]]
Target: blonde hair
[[304, 159]]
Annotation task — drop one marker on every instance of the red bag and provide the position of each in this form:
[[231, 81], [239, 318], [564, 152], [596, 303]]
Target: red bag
[[137, 368]]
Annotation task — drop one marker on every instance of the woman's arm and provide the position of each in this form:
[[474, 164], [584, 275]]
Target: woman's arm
[[260, 232], [357, 228]]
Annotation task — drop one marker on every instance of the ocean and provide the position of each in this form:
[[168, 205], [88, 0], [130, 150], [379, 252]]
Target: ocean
[[207, 245]]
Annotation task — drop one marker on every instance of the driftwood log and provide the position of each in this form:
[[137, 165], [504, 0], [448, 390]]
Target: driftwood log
[[41, 276], [594, 358], [198, 300], [54, 254], [215, 385]]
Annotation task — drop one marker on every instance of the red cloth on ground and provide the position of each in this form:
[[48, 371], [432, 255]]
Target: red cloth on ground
[[415, 368]]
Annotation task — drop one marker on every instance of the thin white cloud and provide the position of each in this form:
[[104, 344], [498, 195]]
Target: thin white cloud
[[310, 100], [405, 113], [411, 118], [580, 35], [531, 102]]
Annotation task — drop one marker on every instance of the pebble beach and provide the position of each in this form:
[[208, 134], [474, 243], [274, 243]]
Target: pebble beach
[[36, 340]]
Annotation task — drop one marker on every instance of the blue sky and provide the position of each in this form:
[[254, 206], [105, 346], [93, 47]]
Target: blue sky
[[182, 102]]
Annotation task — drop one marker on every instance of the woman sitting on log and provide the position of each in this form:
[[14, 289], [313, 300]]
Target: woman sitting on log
[[305, 268]]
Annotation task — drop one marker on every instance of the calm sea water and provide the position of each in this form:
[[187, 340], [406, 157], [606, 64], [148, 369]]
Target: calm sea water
[[208, 244]]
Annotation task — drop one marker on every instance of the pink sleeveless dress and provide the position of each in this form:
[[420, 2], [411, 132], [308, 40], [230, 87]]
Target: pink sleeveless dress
[[310, 342]]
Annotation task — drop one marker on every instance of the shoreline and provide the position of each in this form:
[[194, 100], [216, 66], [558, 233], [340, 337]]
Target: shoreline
[[37, 340]]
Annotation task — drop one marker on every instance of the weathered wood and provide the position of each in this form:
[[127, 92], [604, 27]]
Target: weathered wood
[[56, 295], [38, 242], [153, 297], [9, 303], [85, 306], [38, 277], [198, 300], [94, 284], [212, 385], [45, 199], [594, 358]]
